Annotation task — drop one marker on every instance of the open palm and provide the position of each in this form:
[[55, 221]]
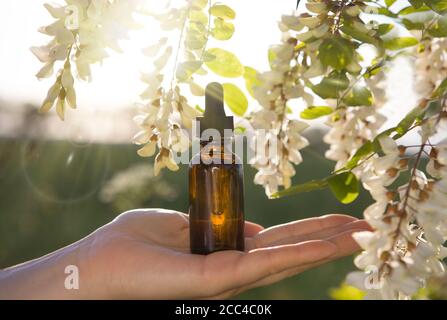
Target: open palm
[[144, 254]]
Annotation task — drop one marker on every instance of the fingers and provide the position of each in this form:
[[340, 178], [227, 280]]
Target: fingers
[[252, 229], [345, 244], [236, 269], [325, 233], [299, 228]]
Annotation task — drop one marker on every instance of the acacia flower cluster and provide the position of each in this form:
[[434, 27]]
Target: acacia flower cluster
[[276, 132], [358, 120], [81, 35], [349, 130], [160, 129], [410, 224], [431, 65], [166, 113], [406, 249], [352, 126]]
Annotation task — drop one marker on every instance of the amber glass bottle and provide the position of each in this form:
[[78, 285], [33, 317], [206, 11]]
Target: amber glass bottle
[[216, 195]]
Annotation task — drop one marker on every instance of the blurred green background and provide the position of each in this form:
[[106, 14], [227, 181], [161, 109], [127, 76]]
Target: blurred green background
[[54, 193]]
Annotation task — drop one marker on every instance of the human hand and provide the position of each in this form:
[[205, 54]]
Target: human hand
[[144, 254]]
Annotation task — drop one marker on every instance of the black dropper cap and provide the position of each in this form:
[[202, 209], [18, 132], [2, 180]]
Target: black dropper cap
[[214, 116]]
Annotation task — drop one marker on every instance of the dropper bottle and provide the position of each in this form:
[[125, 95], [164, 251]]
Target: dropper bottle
[[216, 191]]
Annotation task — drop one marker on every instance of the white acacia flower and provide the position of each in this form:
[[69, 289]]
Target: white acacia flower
[[284, 140], [290, 22], [167, 113], [149, 149], [275, 131], [82, 32], [179, 139], [350, 130], [431, 66], [165, 159], [437, 165], [268, 179], [160, 127], [406, 246]]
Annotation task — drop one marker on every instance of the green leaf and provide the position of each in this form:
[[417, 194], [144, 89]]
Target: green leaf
[[439, 6], [222, 11], [222, 30], [411, 10], [226, 64], [360, 35], [359, 96], [433, 109], [440, 90], [400, 43], [195, 39], [384, 28], [416, 115], [386, 12], [315, 112], [377, 147], [198, 16], [186, 69], [365, 150], [271, 57], [202, 71], [251, 79], [374, 69], [416, 3], [344, 186], [407, 122], [305, 187], [439, 28], [331, 86], [199, 4], [200, 109], [336, 52], [235, 99], [240, 130], [389, 3], [411, 25], [206, 57]]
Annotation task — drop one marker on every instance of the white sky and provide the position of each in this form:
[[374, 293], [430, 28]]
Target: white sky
[[116, 83]]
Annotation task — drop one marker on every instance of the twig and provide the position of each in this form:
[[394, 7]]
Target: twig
[[179, 48], [337, 18], [208, 30], [352, 85]]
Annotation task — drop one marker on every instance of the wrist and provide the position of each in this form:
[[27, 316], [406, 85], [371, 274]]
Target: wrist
[[60, 275]]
